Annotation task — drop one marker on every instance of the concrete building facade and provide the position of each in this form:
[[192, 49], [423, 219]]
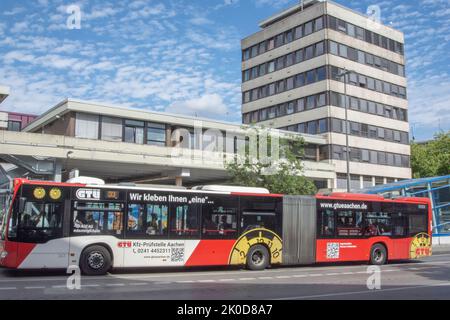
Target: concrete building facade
[[123, 145], [290, 74]]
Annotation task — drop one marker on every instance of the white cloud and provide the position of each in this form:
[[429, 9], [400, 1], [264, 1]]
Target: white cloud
[[20, 27], [208, 105], [200, 21], [14, 11], [273, 3]]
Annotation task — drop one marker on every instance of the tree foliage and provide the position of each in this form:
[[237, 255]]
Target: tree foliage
[[432, 158], [285, 177]]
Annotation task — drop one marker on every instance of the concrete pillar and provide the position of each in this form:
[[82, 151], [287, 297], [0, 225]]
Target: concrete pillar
[[179, 181], [57, 176]]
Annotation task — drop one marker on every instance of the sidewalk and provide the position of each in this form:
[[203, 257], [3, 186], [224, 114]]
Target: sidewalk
[[441, 249]]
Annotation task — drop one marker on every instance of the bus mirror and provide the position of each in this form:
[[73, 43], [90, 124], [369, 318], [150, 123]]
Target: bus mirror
[[22, 202]]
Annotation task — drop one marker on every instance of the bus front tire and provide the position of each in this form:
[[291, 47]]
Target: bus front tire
[[258, 258], [95, 260], [378, 255]]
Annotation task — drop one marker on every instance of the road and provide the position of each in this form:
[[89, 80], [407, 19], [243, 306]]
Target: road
[[426, 279]]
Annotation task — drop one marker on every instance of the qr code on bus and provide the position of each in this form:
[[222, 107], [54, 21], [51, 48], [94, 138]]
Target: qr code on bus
[[177, 255], [332, 250]]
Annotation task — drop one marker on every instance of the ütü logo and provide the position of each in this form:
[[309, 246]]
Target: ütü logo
[[88, 194]]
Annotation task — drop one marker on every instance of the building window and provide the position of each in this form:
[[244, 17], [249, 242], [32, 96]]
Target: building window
[[300, 80], [341, 25], [290, 83], [333, 48], [134, 131], [323, 125], [367, 182], [319, 49], [271, 66], [341, 181], [14, 126], [86, 126], [310, 101], [318, 24], [308, 28], [111, 129], [290, 108], [321, 100], [299, 56], [321, 74], [343, 50], [300, 105], [156, 133], [298, 32], [309, 52]]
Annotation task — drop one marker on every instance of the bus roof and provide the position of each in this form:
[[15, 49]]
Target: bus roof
[[368, 197], [227, 190]]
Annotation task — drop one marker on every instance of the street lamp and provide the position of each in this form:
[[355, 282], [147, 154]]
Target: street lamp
[[345, 74]]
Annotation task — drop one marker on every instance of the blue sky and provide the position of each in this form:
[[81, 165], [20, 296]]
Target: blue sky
[[183, 56]]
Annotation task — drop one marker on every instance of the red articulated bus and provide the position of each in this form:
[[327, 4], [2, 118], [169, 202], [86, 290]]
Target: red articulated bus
[[47, 225]]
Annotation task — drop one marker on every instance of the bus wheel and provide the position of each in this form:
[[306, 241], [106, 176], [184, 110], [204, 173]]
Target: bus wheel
[[258, 258], [95, 260], [378, 254]]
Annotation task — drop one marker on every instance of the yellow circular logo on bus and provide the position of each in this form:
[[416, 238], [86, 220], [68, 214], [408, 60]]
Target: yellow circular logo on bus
[[238, 255], [39, 193], [421, 246], [55, 193]]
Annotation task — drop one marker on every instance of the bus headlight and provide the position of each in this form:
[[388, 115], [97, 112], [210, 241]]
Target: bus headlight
[[3, 254]]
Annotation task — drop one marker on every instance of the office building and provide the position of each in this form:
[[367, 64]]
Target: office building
[[292, 79]]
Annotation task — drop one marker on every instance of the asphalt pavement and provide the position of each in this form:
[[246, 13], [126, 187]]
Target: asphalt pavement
[[425, 279]]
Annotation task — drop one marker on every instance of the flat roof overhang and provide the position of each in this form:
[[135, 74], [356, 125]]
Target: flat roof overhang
[[123, 162]]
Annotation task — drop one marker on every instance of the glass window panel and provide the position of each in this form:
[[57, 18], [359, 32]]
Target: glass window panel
[[300, 105], [298, 32], [319, 49], [321, 100], [289, 36], [290, 83], [333, 48], [312, 127], [309, 52], [310, 102], [308, 28], [86, 126], [299, 56], [351, 30], [343, 50], [220, 218], [290, 59], [270, 44], [318, 24], [271, 66], [300, 80], [290, 108], [321, 74], [111, 129]]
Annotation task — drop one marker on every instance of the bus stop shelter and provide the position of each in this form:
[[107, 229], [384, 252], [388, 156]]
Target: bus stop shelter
[[435, 188]]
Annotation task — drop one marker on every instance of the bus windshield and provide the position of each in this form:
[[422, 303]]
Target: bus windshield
[[37, 223], [5, 202]]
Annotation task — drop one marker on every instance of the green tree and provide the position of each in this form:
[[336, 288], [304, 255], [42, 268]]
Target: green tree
[[285, 177], [431, 158]]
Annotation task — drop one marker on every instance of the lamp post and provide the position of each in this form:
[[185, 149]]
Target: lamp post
[[345, 74]]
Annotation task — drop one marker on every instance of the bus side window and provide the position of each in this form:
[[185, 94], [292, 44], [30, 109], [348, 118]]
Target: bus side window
[[326, 223], [220, 218], [184, 220]]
